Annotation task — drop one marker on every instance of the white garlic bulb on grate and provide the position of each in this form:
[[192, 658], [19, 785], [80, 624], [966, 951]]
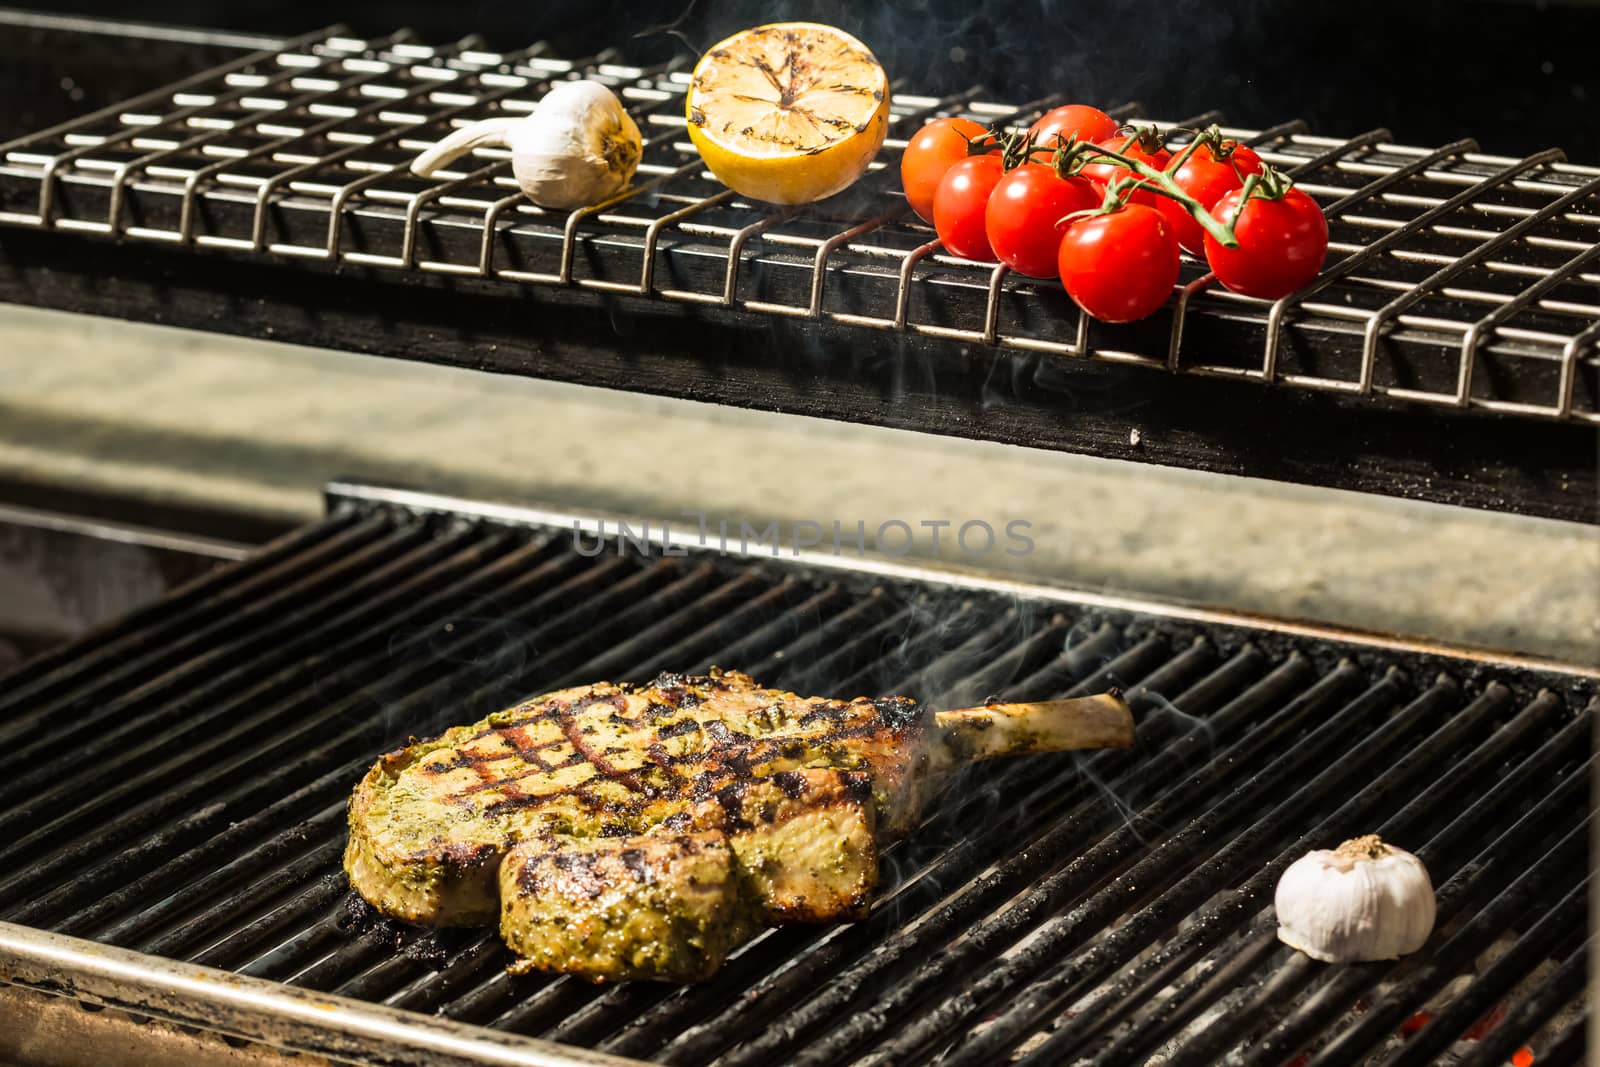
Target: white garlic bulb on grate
[[1364, 900], [577, 148]]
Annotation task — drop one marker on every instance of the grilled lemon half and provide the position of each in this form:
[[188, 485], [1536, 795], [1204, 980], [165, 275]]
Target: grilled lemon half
[[790, 112]]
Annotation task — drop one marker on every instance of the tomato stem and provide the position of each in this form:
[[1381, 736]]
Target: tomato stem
[[1270, 184], [1211, 137], [1068, 157], [984, 143], [1161, 183], [1064, 157], [1015, 150], [1146, 138]]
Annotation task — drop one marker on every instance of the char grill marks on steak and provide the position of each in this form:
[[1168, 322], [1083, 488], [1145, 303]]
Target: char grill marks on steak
[[625, 752], [430, 821], [571, 817]]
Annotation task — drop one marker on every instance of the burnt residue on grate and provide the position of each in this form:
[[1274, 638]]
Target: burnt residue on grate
[[177, 785]]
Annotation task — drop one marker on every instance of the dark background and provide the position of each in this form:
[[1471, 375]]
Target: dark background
[[1519, 75]]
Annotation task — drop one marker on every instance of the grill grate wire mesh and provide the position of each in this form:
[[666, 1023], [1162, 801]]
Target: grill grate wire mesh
[[1455, 279], [179, 781]]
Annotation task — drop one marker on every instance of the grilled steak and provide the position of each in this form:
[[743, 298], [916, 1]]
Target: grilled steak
[[430, 823], [661, 905], [796, 790]]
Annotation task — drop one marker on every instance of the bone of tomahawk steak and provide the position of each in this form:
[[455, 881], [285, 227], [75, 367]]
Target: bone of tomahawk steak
[[626, 831]]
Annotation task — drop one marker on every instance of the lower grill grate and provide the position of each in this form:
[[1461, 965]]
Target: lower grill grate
[[178, 783]]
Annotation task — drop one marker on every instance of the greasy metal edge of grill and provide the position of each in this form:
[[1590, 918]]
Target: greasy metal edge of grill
[[945, 574], [272, 1013]]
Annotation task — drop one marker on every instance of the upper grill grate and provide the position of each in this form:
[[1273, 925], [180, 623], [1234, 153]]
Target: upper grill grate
[[1456, 279], [177, 786]]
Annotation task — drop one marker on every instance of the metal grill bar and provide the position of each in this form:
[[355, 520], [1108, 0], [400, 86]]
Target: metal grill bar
[[1138, 988], [1567, 981], [1158, 871], [342, 197], [52, 172], [1349, 265], [1570, 1049], [489, 574], [154, 647], [112, 731], [332, 785], [120, 637], [339, 179], [1126, 888], [1436, 282], [1338, 995]]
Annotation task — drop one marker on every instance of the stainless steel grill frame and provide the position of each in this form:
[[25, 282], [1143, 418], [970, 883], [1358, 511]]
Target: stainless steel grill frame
[[1457, 280], [179, 783]]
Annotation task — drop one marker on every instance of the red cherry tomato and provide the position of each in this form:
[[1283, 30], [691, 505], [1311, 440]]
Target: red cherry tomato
[[1074, 120], [1121, 266], [1182, 223], [934, 149], [1108, 171], [1023, 212], [1247, 159], [1208, 179], [960, 204], [1282, 244]]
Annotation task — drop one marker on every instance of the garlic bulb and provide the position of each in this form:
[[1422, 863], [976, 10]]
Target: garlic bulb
[[1364, 900], [577, 148]]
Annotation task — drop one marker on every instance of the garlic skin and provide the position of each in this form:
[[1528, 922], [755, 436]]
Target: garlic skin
[[577, 148], [1364, 900]]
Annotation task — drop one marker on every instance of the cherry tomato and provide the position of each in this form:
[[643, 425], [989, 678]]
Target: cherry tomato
[[1108, 171], [960, 203], [1282, 244], [1121, 266], [1208, 179], [1247, 159], [1074, 120], [1023, 212], [936, 147]]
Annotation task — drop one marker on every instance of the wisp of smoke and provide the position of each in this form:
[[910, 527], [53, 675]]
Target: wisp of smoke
[[673, 29], [1080, 649], [1148, 703], [1084, 765]]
